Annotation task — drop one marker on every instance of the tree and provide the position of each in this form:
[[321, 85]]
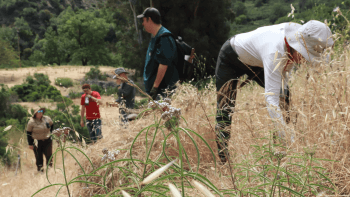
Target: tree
[[239, 8], [203, 24], [279, 10], [85, 32], [54, 48], [8, 55]]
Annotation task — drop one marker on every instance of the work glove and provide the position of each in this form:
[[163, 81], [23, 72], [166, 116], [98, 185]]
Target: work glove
[[153, 93]]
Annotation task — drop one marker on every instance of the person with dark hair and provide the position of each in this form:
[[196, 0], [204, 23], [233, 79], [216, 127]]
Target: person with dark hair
[[267, 55], [39, 127], [160, 72], [126, 93], [90, 102]]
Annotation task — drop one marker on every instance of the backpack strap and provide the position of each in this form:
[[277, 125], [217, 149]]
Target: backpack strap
[[158, 39]]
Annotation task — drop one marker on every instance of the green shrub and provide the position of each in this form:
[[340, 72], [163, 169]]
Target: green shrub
[[36, 88], [142, 102], [108, 91], [111, 90], [42, 79], [74, 95], [33, 96], [97, 88], [10, 114], [95, 73], [76, 109], [65, 82], [61, 106], [65, 119]]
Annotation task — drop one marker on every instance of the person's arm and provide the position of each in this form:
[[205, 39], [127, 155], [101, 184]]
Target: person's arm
[[160, 75], [126, 91], [273, 84], [51, 128], [49, 120], [29, 136], [96, 97], [165, 57]]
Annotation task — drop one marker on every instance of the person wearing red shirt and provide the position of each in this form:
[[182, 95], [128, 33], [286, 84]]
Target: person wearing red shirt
[[89, 102]]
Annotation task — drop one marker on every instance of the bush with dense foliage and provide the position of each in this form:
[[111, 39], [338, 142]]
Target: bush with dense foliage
[[95, 73], [108, 91], [10, 114], [64, 81], [36, 88], [73, 95], [9, 57], [66, 115]]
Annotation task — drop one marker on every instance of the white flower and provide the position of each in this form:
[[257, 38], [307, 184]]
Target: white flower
[[337, 9], [167, 100], [104, 158], [152, 105], [157, 173], [8, 128], [110, 155], [174, 190], [125, 194], [202, 189]]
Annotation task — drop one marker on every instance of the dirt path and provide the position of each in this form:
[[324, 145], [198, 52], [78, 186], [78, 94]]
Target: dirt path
[[28, 181]]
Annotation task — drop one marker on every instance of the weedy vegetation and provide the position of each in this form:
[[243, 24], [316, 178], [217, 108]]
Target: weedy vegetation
[[170, 148], [64, 81], [176, 152]]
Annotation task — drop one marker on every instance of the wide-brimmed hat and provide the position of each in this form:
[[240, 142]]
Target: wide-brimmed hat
[[119, 71], [37, 109], [309, 39]]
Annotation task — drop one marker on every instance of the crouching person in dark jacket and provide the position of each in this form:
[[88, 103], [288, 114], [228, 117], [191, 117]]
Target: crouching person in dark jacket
[[126, 93]]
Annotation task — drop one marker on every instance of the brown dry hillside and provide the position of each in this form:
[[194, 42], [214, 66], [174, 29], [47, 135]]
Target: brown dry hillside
[[319, 120], [28, 182]]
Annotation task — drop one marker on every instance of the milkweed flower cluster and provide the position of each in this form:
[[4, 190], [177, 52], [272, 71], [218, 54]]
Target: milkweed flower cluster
[[280, 154], [110, 155], [168, 111], [172, 112], [59, 131]]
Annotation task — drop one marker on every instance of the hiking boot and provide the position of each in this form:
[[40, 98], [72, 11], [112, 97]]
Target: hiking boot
[[40, 169], [222, 155]]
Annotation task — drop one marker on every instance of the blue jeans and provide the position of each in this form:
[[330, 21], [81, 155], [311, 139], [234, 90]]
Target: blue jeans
[[95, 129]]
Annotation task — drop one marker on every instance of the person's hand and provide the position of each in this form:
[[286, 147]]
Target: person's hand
[[31, 147], [153, 93], [82, 123]]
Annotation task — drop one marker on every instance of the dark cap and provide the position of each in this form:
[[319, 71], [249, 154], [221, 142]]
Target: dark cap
[[151, 12]]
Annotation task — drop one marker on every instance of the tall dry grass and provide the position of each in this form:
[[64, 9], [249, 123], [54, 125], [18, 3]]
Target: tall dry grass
[[319, 119]]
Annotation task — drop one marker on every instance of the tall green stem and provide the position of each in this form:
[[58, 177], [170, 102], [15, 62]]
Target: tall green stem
[[274, 180], [181, 163], [64, 169], [307, 175]]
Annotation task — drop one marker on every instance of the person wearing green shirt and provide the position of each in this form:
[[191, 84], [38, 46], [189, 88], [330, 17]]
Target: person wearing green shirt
[[160, 72]]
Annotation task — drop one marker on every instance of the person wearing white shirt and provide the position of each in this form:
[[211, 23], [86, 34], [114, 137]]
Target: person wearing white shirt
[[266, 55]]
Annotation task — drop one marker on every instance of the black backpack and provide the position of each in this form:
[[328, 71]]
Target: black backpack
[[184, 68]]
